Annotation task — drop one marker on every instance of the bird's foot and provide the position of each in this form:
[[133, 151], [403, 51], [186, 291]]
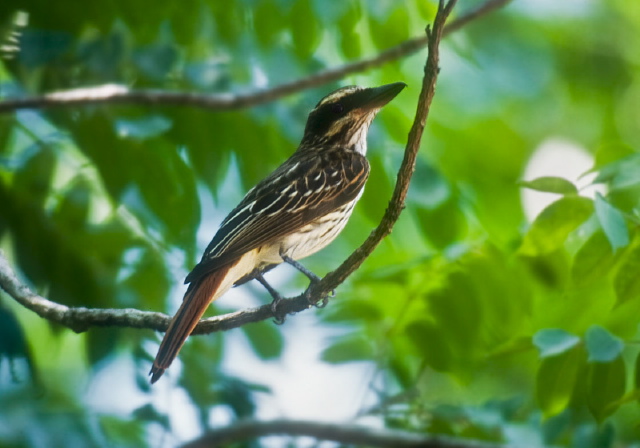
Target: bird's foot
[[318, 303], [313, 280], [278, 317], [321, 303]]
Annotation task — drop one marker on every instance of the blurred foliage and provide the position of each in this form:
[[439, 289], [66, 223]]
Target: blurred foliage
[[505, 330]]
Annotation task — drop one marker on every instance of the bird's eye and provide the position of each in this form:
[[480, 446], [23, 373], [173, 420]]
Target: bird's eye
[[337, 108]]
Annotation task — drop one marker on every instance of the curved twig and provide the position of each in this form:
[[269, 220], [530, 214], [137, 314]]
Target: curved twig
[[114, 93], [345, 434], [396, 204]]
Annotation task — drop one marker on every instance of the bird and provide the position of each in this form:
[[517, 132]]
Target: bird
[[294, 212]]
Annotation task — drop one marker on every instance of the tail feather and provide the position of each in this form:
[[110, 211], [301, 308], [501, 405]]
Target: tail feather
[[195, 302]]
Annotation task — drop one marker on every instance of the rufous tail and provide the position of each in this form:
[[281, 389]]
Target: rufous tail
[[195, 302]]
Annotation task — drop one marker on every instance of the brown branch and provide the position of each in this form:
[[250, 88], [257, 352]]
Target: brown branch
[[113, 93], [80, 319], [342, 433], [396, 205]]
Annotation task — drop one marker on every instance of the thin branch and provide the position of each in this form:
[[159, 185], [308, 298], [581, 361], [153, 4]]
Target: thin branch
[[345, 434], [113, 93], [80, 319], [396, 205]]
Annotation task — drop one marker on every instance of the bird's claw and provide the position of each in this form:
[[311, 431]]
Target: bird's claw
[[322, 303], [318, 303], [278, 318], [313, 280], [325, 299]]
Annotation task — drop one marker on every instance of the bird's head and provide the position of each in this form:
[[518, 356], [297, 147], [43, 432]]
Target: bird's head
[[343, 117]]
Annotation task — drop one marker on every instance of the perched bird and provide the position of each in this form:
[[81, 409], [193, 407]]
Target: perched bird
[[294, 212]]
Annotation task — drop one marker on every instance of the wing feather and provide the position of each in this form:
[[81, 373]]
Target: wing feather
[[294, 195]]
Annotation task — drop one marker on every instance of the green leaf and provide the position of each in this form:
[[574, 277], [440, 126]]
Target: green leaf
[[555, 381], [124, 432], [166, 187], [149, 280], [443, 225], [553, 341], [430, 189], [268, 21], [611, 152], [347, 350], [201, 377], [605, 386], [427, 10], [353, 310], [620, 174], [636, 376], [350, 39], [101, 344], [74, 208], [626, 282], [397, 124], [431, 344], [33, 181], [305, 28], [142, 128], [612, 223], [550, 184], [105, 54], [237, 394], [351, 45], [389, 27], [149, 413], [592, 435], [602, 346], [552, 226], [458, 333], [593, 260], [157, 60], [379, 188], [39, 47], [12, 337], [265, 338]]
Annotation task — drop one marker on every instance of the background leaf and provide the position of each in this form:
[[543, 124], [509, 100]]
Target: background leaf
[[551, 228], [550, 184], [602, 346], [555, 381], [554, 341], [593, 260], [265, 338], [605, 385], [347, 350], [612, 223], [626, 281]]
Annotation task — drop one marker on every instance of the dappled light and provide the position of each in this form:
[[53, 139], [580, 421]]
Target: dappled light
[[487, 286]]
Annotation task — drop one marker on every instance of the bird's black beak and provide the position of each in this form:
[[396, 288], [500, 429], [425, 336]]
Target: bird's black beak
[[376, 97]]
